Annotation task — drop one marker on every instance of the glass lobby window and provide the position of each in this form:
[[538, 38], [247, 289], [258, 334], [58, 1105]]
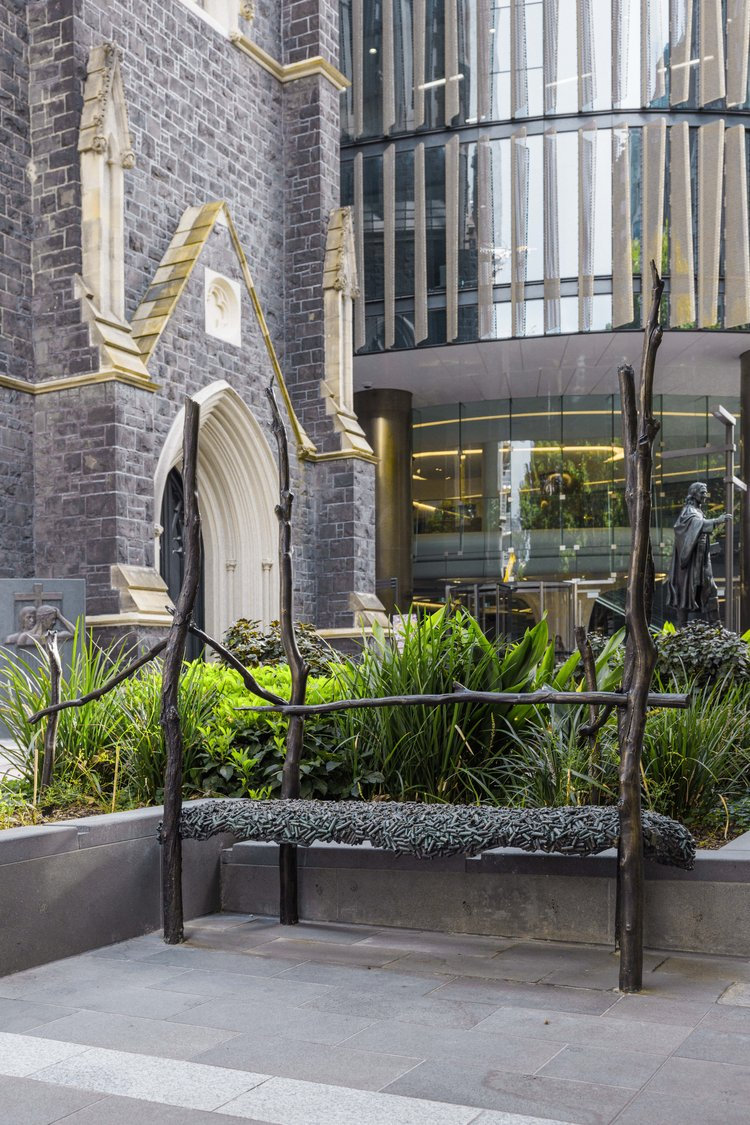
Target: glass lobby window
[[601, 27], [626, 93]]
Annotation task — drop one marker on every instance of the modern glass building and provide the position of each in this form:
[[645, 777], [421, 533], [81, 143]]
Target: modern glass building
[[513, 167]]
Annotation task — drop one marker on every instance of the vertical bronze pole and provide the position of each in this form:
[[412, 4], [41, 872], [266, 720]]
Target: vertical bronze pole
[[745, 474], [639, 431], [288, 904], [173, 656], [50, 731]]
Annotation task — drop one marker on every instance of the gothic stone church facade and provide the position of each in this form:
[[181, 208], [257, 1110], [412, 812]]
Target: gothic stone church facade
[[169, 225]]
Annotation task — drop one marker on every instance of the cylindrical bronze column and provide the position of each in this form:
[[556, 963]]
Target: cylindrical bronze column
[[385, 416], [744, 533]]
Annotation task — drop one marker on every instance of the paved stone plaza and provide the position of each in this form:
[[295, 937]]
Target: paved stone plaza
[[337, 1025]]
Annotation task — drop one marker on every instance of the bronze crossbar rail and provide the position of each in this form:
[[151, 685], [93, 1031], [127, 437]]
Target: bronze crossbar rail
[[607, 698]]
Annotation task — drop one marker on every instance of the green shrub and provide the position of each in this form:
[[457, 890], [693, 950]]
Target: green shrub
[[88, 738], [254, 645], [252, 759], [702, 654], [444, 753]]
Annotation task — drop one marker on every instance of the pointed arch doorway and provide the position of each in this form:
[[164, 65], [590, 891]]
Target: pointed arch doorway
[[237, 486]]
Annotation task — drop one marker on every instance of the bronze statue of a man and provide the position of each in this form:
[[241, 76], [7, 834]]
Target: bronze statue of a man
[[690, 582]]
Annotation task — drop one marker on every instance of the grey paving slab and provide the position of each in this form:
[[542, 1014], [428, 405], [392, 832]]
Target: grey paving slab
[[442, 945], [136, 949], [583, 1030], [99, 996], [310, 1062], [460, 964], [697, 967], [490, 1088], [428, 1010], [169, 1081], [301, 1103], [727, 1017], [685, 1013], [203, 983], [736, 994], [337, 932], [504, 1051], [216, 960], [297, 949], [612, 1067], [21, 1055], [652, 1108], [519, 994], [251, 942], [277, 1019], [672, 986], [19, 1015], [85, 970], [688, 1077], [132, 1033], [497, 1117], [716, 1046], [23, 1101], [135, 1111], [370, 980]]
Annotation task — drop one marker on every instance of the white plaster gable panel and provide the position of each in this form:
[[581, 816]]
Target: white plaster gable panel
[[223, 307]]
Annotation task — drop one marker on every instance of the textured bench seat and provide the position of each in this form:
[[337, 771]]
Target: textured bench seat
[[434, 830]]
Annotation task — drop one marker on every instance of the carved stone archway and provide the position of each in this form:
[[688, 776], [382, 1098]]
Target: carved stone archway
[[237, 484]]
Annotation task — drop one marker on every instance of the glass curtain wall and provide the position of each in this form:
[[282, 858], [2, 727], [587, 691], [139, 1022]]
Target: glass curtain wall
[[533, 490], [517, 210]]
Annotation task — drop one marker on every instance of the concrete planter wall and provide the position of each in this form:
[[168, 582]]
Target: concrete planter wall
[[504, 892], [81, 884]]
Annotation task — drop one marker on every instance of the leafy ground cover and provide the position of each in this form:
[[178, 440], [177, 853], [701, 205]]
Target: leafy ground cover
[[696, 763]]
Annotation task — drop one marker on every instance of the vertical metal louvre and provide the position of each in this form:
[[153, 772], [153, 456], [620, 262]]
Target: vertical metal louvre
[[738, 50], [485, 240], [622, 251], [550, 55], [680, 40], [652, 220], [551, 236], [389, 243], [358, 39], [451, 61], [519, 171], [711, 52], [585, 45], [586, 172], [359, 252], [389, 87], [736, 233], [484, 18], [653, 38], [420, 247], [620, 29], [710, 169], [681, 257], [418, 49], [451, 238], [519, 83]]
